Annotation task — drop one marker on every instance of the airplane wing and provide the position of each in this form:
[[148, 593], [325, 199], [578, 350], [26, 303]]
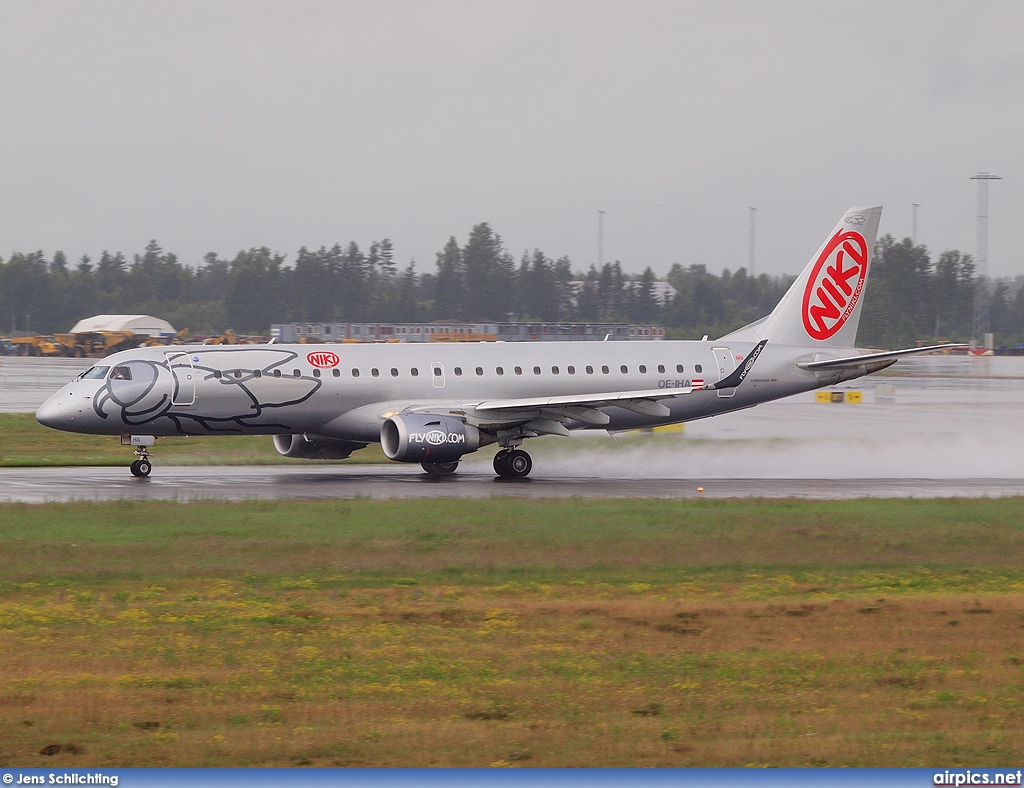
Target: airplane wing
[[549, 415], [871, 358]]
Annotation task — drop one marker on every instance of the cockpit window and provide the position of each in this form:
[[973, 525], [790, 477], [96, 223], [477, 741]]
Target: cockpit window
[[121, 373], [96, 373]]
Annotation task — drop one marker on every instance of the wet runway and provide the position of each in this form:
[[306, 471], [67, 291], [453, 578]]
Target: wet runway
[[235, 483], [25, 382]]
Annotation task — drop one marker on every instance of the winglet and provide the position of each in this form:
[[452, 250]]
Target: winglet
[[734, 379]]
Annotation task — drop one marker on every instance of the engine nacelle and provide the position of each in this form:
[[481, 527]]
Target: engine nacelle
[[421, 437], [314, 447]]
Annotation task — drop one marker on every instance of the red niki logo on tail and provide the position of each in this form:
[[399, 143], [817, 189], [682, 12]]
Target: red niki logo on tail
[[835, 284]]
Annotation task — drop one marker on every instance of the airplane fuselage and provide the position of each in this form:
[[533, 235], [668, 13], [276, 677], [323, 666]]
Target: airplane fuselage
[[346, 391]]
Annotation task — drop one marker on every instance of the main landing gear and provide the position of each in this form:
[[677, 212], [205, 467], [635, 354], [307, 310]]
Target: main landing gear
[[512, 464]]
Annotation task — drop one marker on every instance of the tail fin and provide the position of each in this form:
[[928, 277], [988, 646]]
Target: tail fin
[[824, 303]]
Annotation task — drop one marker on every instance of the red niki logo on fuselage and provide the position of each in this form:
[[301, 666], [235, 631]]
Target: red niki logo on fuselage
[[835, 284], [323, 359]]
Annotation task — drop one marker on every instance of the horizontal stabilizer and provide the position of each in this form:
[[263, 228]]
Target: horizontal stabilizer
[[870, 358]]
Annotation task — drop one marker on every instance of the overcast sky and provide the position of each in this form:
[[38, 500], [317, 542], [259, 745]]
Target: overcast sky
[[216, 126]]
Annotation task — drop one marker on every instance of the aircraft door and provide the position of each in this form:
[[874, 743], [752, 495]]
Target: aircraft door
[[437, 374], [183, 375], [725, 363]]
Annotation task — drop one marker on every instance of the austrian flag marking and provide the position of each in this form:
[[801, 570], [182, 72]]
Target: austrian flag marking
[[324, 359], [835, 284]]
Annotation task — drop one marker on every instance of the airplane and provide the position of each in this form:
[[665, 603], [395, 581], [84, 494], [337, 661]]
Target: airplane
[[433, 404]]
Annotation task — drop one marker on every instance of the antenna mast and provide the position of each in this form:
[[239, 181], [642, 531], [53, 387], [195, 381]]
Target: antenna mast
[[981, 316], [753, 213]]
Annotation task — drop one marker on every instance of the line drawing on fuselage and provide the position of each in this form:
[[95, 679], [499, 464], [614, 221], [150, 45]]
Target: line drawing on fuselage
[[326, 401], [134, 387]]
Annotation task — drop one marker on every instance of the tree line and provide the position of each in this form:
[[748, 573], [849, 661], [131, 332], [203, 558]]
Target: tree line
[[911, 295]]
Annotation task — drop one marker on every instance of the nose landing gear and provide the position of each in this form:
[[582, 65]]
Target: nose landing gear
[[141, 467]]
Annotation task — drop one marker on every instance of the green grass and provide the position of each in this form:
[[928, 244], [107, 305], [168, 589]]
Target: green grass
[[24, 442], [510, 632], [506, 538]]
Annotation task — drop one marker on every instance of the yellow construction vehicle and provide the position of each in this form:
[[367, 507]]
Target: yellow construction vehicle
[[227, 338], [97, 344], [38, 346], [173, 339]]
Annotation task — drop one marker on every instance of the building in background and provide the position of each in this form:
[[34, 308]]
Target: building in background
[[462, 332], [136, 324]]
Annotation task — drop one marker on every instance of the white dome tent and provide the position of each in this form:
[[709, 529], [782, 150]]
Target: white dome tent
[[137, 324]]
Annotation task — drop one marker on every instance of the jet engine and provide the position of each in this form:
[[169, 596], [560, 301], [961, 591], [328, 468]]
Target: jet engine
[[314, 447], [421, 437]]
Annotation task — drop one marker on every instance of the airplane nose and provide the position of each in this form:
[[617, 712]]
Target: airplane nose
[[50, 413]]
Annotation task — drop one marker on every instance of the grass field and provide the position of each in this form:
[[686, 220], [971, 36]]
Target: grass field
[[522, 633], [24, 442]]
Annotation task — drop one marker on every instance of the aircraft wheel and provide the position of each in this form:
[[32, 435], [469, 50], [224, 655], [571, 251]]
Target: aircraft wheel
[[144, 468], [440, 468], [501, 462], [519, 464], [134, 467]]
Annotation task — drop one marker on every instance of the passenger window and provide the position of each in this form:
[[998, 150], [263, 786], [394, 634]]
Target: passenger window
[[604, 370], [414, 372], [554, 370], [661, 369], [355, 372], [499, 371], [519, 370], [679, 368], [479, 370], [238, 373], [698, 368], [458, 370], [375, 372], [643, 369], [571, 370], [295, 372], [590, 370], [277, 373], [337, 372], [536, 370], [217, 374], [394, 372], [437, 372], [623, 369], [316, 373], [257, 373]]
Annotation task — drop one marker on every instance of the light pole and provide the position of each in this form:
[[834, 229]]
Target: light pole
[[753, 213], [981, 324]]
